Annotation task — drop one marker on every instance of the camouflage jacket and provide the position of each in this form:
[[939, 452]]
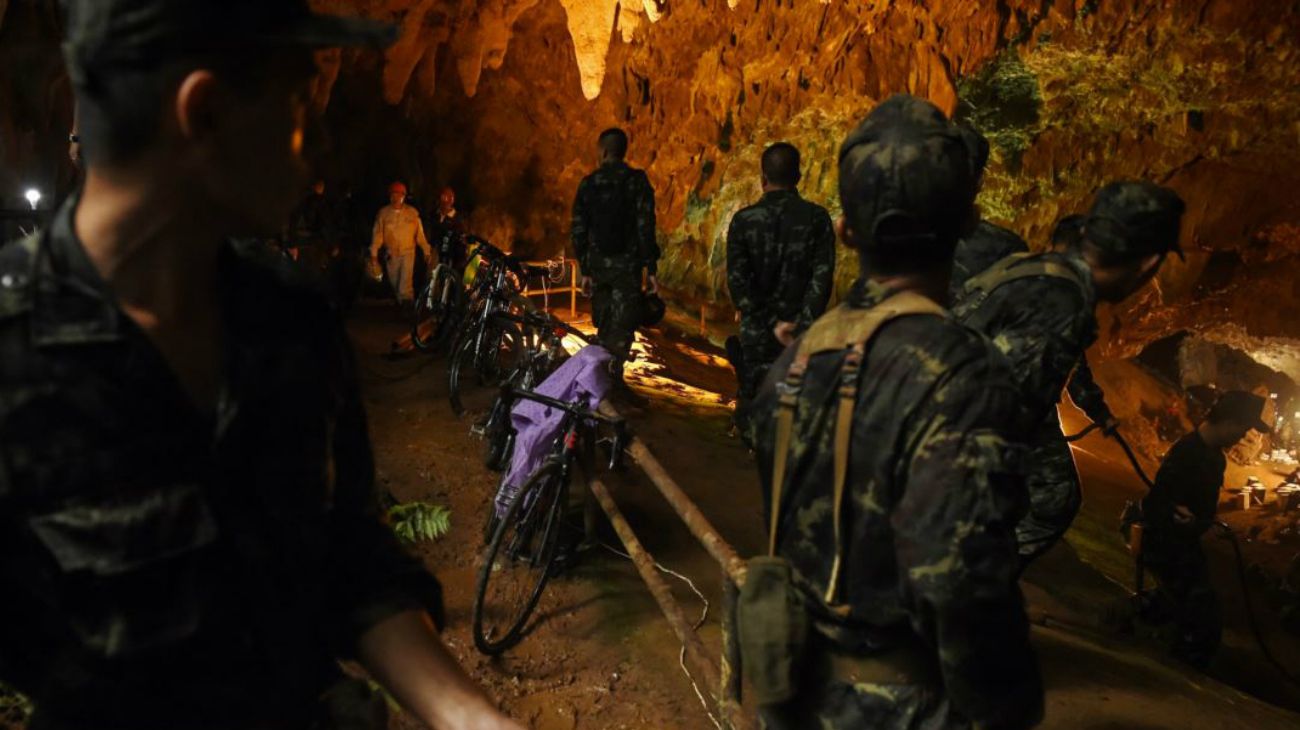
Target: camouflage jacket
[[642, 250], [781, 259], [164, 565], [932, 495], [1044, 325], [985, 246]]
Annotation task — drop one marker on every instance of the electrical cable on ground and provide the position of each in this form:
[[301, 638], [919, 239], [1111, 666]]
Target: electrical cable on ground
[[1250, 608], [704, 614]]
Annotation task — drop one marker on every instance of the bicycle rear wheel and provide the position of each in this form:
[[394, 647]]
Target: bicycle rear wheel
[[435, 310], [518, 561]]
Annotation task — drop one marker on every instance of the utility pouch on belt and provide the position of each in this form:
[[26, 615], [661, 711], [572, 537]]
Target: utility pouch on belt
[[772, 615]]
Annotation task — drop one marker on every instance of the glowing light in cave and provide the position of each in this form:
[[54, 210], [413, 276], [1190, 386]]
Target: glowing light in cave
[[647, 373]]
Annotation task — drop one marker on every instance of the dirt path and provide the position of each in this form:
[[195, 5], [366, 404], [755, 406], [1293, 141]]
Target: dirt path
[[601, 655]]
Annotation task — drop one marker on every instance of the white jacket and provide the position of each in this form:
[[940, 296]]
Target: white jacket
[[400, 230]]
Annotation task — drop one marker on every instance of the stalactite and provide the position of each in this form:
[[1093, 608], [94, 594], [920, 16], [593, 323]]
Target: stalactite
[[591, 24]]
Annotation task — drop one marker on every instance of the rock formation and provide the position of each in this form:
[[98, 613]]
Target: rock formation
[[504, 99]]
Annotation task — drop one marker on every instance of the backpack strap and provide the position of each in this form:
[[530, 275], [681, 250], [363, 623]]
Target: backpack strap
[[842, 328], [1023, 266]]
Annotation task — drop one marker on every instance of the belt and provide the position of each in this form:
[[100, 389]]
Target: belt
[[906, 664]]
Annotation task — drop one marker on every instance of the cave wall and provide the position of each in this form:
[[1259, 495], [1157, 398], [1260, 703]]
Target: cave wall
[[1201, 95], [504, 98]]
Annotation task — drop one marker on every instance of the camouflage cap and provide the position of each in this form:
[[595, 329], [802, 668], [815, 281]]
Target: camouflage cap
[[906, 163], [1135, 218], [145, 31]]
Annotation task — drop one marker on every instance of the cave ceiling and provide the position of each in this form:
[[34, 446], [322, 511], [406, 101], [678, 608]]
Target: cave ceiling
[[503, 99]]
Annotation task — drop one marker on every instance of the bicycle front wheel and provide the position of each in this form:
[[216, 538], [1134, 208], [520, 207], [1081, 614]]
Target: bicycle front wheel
[[518, 561]]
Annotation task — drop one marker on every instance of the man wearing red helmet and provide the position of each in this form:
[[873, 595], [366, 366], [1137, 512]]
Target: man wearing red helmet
[[398, 230]]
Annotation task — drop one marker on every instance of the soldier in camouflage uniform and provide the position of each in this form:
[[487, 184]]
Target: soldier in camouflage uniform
[[989, 242], [934, 634], [613, 235], [189, 531], [1046, 322], [780, 268]]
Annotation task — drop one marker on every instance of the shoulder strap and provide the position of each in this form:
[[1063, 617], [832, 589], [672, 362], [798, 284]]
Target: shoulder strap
[[842, 328], [1022, 266]]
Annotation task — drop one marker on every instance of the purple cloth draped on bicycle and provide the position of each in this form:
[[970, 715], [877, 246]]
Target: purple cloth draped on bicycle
[[584, 379]]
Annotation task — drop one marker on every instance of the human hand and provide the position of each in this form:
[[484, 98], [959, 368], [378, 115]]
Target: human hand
[[585, 284], [653, 282], [1183, 515], [784, 332], [1111, 426]]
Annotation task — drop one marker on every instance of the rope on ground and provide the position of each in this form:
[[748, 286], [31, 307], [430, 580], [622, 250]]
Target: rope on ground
[[704, 614]]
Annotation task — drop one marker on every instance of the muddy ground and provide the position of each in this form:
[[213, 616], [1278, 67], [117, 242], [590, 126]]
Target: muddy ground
[[601, 655]]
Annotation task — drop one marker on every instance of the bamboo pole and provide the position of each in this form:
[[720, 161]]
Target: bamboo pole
[[706, 673], [696, 522]]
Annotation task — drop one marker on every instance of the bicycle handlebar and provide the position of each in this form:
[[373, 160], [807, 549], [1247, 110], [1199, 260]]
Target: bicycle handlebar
[[510, 392]]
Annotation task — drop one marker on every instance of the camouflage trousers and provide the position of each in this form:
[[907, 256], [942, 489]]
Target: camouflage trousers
[[616, 310], [1054, 492], [834, 705]]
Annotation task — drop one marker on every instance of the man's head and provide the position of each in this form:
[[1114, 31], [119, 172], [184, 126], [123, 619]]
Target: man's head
[[781, 166], [1234, 414], [1126, 235], [447, 200], [613, 144], [318, 187], [907, 187], [397, 193], [206, 96]]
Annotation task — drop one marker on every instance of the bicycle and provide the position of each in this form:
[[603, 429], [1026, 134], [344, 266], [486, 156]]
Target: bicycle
[[543, 351], [439, 303], [489, 344], [521, 556]]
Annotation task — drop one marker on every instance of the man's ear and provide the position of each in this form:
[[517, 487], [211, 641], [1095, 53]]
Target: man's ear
[[195, 105], [846, 235]]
